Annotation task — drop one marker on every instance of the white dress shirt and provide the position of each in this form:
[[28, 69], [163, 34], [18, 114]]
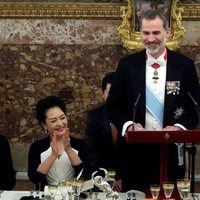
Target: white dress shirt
[[151, 123]]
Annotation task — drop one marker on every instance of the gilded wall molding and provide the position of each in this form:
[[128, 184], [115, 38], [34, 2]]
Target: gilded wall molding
[[61, 10], [191, 12], [78, 10]]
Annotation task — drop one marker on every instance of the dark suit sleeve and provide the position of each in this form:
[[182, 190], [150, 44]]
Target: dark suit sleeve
[[117, 106], [91, 140], [7, 173], [191, 84]]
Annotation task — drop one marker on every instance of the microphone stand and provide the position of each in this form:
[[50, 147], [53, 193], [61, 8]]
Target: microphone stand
[[192, 150], [134, 109]]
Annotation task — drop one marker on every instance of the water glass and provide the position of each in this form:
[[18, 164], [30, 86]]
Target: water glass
[[168, 188], [70, 188], [111, 173], [52, 190], [183, 186], [78, 185], [62, 186], [155, 191]]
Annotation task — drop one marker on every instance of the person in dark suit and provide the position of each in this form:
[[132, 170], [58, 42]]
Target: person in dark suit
[[99, 133], [163, 78], [7, 172]]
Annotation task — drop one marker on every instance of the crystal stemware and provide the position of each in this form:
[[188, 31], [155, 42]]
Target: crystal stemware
[[183, 186], [78, 185], [168, 188], [155, 191], [111, 173], [52, 190], [62, 186], [70, 188]]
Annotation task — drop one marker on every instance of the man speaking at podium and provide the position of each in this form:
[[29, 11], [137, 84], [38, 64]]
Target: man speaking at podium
[[152, 87]]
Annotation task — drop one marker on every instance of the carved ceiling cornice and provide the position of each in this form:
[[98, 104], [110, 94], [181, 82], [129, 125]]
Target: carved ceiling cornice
[[78, 10]]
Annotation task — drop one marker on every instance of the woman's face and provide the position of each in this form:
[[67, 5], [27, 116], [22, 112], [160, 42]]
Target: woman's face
[[56, 121]]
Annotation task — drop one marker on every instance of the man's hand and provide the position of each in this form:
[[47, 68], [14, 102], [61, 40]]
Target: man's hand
[[172, 128], [137, 127]]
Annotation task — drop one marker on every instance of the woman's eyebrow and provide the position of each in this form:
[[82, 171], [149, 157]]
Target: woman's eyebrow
[[50, 118]]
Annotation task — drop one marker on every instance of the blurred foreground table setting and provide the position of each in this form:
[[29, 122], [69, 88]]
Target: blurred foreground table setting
[[78, 189]]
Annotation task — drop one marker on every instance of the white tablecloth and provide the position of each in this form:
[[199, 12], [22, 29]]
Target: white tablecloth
[[16, 195], [122, 196]]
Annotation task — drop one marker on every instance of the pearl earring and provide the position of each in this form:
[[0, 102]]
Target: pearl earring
[[45, 131]]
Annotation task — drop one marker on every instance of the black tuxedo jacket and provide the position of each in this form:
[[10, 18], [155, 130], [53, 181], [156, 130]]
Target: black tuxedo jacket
[[98, 138], [141, 162]]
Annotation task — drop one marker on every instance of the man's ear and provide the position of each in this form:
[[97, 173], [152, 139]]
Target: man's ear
[[168, 32]]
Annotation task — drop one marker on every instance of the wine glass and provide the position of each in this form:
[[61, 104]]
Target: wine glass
[[78, 185], [111, 173], [155, 191], [168, 188], [62, 186], [183, 186], [52, 190], [70, 188]]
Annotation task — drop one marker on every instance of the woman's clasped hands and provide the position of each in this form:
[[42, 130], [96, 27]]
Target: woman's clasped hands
[[60, 142]]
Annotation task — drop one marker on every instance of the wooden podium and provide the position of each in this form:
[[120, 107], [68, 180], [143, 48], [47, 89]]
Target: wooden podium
[[165, 137]]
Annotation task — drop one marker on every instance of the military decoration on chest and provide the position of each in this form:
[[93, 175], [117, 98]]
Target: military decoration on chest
[[156, 66]]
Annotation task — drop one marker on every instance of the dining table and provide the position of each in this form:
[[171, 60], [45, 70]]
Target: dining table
[[130, 195], [44, 195]]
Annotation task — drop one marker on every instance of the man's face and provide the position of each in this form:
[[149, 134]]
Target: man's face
[[154, 36]]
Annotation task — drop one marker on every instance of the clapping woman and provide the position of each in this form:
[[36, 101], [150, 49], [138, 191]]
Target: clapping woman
[[57, 157]]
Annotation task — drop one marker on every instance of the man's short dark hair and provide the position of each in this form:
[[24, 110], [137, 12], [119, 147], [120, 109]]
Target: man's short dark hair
[[108, 78], [153, 14]]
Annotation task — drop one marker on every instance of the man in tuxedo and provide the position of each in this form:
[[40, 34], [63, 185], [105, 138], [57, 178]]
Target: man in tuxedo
[[162, 79], [7, 173], [100, 135]]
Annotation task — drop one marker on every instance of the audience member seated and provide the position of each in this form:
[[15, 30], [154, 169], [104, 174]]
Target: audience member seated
[[58, 156], [7, 173], [100, 135]]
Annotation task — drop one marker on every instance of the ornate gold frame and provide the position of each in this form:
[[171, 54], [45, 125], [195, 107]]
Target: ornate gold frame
[[131, 38], [77, 10]]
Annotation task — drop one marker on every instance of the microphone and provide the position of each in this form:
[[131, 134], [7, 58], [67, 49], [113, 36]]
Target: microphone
[[192, 149], [197, 108], [135, 108]]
